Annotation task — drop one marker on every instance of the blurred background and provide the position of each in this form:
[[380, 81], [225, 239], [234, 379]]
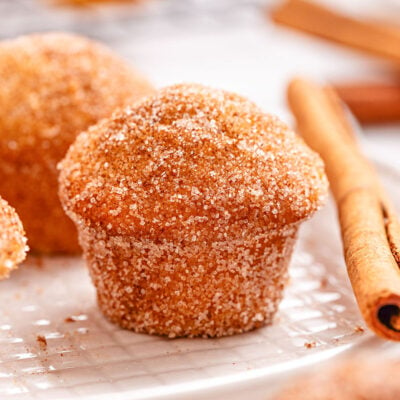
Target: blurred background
[[231, 44]]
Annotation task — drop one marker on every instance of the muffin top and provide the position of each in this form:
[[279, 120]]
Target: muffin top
[[193, 163], [55, 85], [12, 239]]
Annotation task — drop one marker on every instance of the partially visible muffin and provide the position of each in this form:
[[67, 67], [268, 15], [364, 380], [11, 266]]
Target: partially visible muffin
[[12, 240], [187, 206], [361, 378], [52, 87]]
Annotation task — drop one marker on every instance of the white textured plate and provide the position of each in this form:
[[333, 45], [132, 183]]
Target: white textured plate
[[53, 298]]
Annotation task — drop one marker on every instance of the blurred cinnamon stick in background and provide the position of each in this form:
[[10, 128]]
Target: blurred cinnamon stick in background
[[369, 225], [372, 37], [372, 102]]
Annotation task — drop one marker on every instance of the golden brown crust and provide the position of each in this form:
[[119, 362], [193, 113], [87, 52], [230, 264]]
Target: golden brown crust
[[187, 161], [12, 240], [187, 210], [52, 87]]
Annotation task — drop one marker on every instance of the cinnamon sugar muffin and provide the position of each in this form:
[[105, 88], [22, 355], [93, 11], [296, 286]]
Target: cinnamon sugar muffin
[[361, 378], [12, 240], [187, 206], [52, 87]]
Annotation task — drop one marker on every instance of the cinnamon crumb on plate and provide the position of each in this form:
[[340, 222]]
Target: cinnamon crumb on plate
[[41, 340]]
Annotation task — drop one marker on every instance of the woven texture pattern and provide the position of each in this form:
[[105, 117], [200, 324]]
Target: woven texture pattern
[[54, 342]]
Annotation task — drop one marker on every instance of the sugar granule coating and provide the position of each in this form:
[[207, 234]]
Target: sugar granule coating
[[360, 378], [12, 240], [187, 210], [52, 87]]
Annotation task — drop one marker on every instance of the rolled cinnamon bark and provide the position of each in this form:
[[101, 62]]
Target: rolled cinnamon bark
[[369, 226], [369, 36], [372, 102]]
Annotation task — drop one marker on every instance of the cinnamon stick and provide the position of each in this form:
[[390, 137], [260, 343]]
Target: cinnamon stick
[[372, 103], [372, 37], [369, 226]]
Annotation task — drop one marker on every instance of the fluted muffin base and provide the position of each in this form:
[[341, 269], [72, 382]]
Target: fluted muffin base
[[189, 288]]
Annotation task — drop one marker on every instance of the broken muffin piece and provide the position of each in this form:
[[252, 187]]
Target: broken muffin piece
[[12, 240]]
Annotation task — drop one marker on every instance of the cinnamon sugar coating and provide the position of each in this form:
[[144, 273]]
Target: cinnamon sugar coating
[[12, 240], [52, 87], [187, 209], [361, 378]]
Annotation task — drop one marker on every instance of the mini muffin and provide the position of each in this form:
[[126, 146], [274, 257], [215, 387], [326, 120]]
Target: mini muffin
[[52, 87], [362, 378], [187, 206], [12, 240]]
